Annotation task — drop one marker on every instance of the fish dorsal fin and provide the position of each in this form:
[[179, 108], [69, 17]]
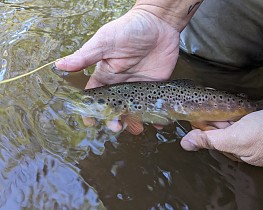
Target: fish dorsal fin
[[133, 123]]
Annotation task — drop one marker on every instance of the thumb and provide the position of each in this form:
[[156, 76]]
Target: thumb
[[90, 53], [223, 140]]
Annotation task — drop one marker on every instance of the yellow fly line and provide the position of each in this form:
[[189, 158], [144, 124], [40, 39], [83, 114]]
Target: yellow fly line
[[31, 72]]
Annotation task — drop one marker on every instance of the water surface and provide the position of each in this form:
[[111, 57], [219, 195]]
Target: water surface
[[50, 160]]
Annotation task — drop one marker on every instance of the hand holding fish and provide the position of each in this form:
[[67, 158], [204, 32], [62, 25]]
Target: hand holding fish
[[142, 45], [243, 139]]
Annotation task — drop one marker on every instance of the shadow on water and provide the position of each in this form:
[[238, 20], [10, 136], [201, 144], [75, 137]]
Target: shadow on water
[[50, 160]]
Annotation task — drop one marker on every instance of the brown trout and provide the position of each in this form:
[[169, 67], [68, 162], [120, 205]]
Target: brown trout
[[161, 103]]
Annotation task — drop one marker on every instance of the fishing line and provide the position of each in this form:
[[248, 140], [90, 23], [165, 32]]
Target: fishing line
[[28, 73]]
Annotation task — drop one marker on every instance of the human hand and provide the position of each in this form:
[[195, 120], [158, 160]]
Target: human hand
[[243, 139], [137, 46]]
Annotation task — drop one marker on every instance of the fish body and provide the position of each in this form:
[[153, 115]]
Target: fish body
[[162, 102]]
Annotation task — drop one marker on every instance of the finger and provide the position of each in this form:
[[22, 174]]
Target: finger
[[221, 125], [88, 121], [210, 125], [114, 125], [106, 74], [223, 140], [90, 53], [158, 127], [93, 83]]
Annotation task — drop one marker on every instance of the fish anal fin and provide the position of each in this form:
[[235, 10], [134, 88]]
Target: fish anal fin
[[133, 123]]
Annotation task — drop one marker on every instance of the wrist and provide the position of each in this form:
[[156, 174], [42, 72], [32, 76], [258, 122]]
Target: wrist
[[176, 13]]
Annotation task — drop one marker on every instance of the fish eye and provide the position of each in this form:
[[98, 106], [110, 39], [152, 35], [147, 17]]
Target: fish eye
[[101, 101], [88, 101]]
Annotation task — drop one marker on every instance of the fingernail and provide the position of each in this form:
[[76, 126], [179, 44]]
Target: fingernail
[[188, 145]]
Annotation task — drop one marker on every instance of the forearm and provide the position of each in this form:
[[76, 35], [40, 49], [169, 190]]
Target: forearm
[[175, 12]]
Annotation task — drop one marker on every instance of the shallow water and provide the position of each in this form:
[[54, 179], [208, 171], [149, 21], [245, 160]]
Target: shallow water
[[50, 160]]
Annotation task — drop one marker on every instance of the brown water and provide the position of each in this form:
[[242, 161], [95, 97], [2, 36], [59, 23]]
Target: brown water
[[50, 160]]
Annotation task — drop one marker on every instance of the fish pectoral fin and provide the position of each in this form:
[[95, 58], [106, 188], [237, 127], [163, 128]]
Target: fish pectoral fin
[[133, 123], [202, 125]]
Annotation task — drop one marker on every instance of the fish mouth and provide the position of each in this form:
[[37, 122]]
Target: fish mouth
[[74, 105], [84, 110]]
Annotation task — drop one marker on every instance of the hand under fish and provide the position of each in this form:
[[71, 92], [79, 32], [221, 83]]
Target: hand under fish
[[243, 139]]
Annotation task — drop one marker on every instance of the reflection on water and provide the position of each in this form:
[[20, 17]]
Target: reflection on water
[[50, 160]]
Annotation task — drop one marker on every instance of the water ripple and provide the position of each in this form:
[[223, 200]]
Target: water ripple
[[39, 141]]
